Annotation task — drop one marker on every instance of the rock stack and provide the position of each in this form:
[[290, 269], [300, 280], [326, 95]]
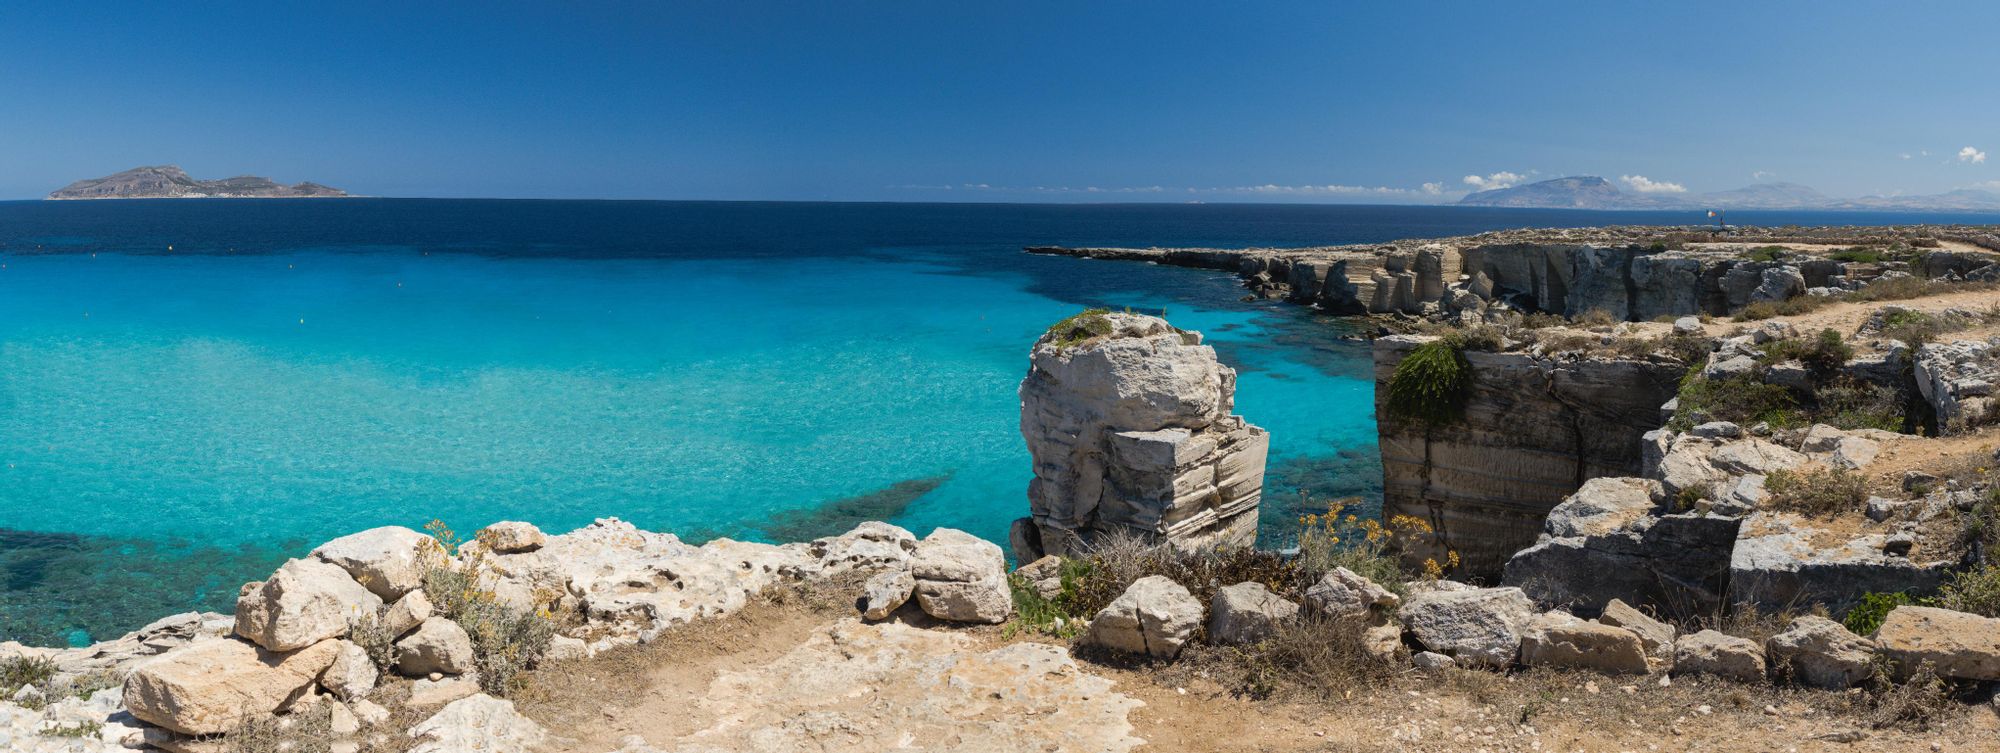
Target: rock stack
[[1129, 422]]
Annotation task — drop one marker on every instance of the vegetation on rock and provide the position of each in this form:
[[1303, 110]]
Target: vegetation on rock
[[1431, 384]]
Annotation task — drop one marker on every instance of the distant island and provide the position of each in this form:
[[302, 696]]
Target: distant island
[[1592, 192], [170, 182]]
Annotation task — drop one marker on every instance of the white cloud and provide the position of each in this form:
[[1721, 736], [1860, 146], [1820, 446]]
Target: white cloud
[[1643, 184], [1434, 189], [1502, 179], [1905, 155], [1326, 190], [1971, 155], [1763, 175]]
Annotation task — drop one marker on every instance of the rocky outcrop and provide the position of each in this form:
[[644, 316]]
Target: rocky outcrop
[[1783, 558], [1477, 627], [1958, 379], [1154, 617], [1247, 613], [1710, 652], [303, 603], [960, 577], [1821, 653], [1129, 423], [210, 686], [1953, 644], [1534, 430]]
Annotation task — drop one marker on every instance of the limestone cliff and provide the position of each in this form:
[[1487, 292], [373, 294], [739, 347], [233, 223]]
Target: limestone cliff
[[1535, 428], [1130, 426]]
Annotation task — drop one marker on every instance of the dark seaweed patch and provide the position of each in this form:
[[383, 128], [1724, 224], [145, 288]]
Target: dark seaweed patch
[[842, 515]]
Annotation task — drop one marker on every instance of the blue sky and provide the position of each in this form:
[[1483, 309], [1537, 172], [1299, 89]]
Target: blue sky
[[1009, 101]]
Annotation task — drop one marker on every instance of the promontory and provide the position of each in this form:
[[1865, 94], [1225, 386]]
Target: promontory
[[171, 182]]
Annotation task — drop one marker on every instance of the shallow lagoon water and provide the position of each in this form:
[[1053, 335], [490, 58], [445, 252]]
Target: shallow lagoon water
[[174, 422]]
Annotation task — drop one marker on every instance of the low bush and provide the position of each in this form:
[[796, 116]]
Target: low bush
[[1794, 306], [1817, 492], [1916, 703], [1976, 591], [372, 636], [1081, 327], [1856, 255], [19, 671], [1743, 400], [1766, 253], [1431, 384], [1823, 355], [1365, 546], [1323, 657], [306, 730], [1867, 614], [1058, 616], [505, 640]]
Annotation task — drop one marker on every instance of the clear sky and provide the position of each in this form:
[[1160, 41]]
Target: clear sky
[[1004, 101]]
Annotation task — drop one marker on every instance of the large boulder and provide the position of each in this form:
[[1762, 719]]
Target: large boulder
[[1713, 652], [389, 560], [1343, 593], [1822, 653], [885, 592], [1247, 613], [1783, 558], [1561, 640], [352, 674], [477, 724], [1602, 505], [961, 578], [211, 685], [513, 537], [1657, 636], [438, 645], [1154, 617], [306, 601], [1956, 644], [1480, 626]]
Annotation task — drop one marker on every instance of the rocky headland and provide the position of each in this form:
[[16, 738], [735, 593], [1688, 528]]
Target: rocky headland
[[171, 182], [1746, 522]]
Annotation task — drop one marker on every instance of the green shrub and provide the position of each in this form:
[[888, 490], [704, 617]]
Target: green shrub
[[306, 730], [1823, 355], [1849, 404], [1817, 492], [1766, 253], [1323, 657], [19, 671], [1081, 327], [1976, 591], [1057, 616], [1743, 400], [372, 636], [1431, 384], [1867, 615], [1368, 547], [505, 640]]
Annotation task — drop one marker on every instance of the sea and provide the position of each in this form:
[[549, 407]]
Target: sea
[[192, 391]]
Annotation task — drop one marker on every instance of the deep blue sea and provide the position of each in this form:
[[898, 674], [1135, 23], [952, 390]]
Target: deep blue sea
[[191, 391]]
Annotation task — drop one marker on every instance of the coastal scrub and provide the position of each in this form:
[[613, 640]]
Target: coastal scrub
[[1431, 384]]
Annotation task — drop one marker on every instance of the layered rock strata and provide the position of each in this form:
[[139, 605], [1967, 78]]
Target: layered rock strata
[[1130, 425]]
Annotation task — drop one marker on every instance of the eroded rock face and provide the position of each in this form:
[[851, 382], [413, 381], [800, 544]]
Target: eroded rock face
[[1154, 617], [389, 560], [961, 578], [1819, 652], [477, 723], [306, 601], [210, 686], [1716, 653], [863, 688], [1956, 644], [1782, 558], [1621, 551], [1247, 613], [1958, 379], [1133, 431], [1480, 626]]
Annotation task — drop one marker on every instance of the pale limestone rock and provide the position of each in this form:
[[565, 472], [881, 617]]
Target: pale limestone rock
[[961, 578], [1957, 379], [369, 712], [513, 537], [352, 674], [211, 685], [438, 645], [1431, 660], [1657, 636], [1343, 593], [871, 546], [1480, 626], [565, 648], [306, 601], [426, 692], [1958, 645], [885, 592], [1247, 613], [407, 613], [864, 688], [389, 560], [1153, 617], [1782, 558], [1601, 506], [1561, 640], [1822, 653], [1044, 574], [1715, 653], [1132, 430], [477, 724]]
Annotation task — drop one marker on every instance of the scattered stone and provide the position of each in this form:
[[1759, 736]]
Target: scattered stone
[[1561, 640], [1958, 645], [438, 645], [1154, 617], [352, 674], [513, 536], [1430, 660], [1821, 653], [306, 601], [1044, 574], [427, 692], [1657, 636], [1247, 613], [1717, 430], [407, 613], [369, 712], [885, 592], [389, 560], [961, 578], [1716, 653], [1344, 593], [213, 684], [477, 723], [1687, 325], [1481, 626]]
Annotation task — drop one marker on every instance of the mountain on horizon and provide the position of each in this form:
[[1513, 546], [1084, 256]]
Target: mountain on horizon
[[171, 182], [1593, 192]]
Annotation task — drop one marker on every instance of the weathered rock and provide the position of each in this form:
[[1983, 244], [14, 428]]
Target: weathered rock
[[961, 578], [1956, 644], [306, 601], [438, 645], [426, 692], [633, 584], [1481, 626], [1782, 559], [1656, 636], [1687, 325], [513, 536], [1431, 660], [1561, 640], [1779, 283], [1153, 617], [1045, 574], [1603, 505], [211, 685], [407, 613], [1715, 653], [477, 724], [352, 674], [1343, 593], [1131, 430], [1957, 379], [885, 592], [389, 560], [1819, 652], [1247, 613], [1669, 559]]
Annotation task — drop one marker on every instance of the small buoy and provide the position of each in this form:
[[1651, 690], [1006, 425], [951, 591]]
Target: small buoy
[[302, 321], [170, 248]]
